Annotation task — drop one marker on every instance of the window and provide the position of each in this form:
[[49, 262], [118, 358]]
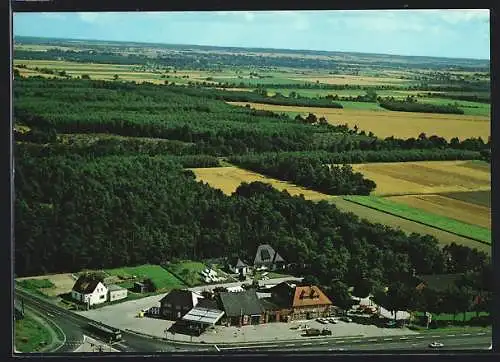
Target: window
[[102, 296]]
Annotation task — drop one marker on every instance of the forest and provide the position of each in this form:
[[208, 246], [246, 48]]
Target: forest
[[407, 106], [76, 213]]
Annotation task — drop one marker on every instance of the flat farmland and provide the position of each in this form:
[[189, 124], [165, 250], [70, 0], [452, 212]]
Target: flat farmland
[[425, 177], [445, 206], [445, 223], [480, 198], [227, 179], [350, 79], [397, 124], [405, 225]]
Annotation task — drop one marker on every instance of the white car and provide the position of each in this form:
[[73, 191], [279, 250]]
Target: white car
[[436, 345], [322, 320], [332, 320]]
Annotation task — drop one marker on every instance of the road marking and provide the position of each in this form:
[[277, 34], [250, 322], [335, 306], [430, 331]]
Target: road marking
[[466, 334], [356, 341], [450, 335], [340, 341], [289, 345], [481, 334], [436, 336], [387, 339], [217, 348], [403, 338], [306, 344], [372, 340], [420, 337], [323, 343]]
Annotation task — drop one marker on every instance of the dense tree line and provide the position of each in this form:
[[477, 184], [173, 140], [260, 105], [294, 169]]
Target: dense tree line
[[259, 96], [405, 106], [311, 173], [261, 160], [462, 97], [74, 213]]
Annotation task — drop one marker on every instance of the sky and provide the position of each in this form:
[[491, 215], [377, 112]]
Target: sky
[[439, 33]]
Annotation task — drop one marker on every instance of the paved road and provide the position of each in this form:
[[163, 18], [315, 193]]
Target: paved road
[[457, 342], [73, 325]]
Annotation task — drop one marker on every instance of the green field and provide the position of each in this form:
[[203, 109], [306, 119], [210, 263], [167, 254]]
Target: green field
[[30, 335], [367, 106], [470, 108], [163, 279], [35, 285], [440, 222], [187, 271]]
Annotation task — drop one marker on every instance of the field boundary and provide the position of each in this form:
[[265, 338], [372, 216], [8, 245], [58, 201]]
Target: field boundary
[[400, 215]]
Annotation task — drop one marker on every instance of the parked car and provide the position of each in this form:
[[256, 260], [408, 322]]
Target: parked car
[[322, 320], [312, 332], [346, 319], [332, 320], [436, 345], [390, 324], [326, 332]]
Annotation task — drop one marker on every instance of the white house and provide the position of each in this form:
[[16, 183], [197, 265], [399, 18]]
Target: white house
[[89, 291], [236, 265], [116, 292]]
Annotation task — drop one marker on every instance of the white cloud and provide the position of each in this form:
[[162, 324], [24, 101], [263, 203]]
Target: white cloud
[[454, 16]]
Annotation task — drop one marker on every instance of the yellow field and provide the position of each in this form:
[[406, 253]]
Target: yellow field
[[397, 124], [227, 179], [427, 177], [445, 206]]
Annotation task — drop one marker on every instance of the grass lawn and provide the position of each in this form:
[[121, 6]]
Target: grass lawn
[[163, 279], [187, 271], [440, 222], [35, 285], [30, 335]]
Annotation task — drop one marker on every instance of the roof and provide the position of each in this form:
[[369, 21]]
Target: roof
[[237, 262], [207, 303], [268, 304], [85, 285], [440, 282], [267, 255], [241, 303], [308, 296], [203, 315], [114, 287], [282, 294], [182, 297]]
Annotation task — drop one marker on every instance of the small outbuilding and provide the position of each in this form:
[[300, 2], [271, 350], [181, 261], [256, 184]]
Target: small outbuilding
[[115, 292]]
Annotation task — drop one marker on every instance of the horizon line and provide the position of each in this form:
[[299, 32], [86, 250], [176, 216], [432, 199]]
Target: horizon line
[[253, 48]]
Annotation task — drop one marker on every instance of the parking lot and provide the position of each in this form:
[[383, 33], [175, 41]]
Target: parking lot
[[124, 316]]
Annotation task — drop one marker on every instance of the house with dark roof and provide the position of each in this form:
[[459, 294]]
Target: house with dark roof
[[177, 303], [267, 258], [241, 308], [299, 302], [90, 291], [238, 266]]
